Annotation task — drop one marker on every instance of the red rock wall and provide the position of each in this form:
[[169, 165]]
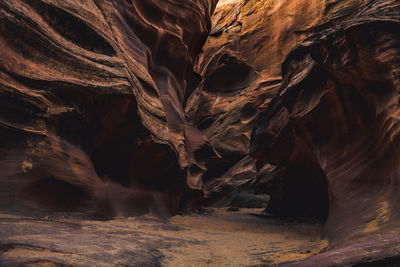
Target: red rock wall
[[335, 115], [322, 85], [240, 65], [92, 96], [126, 106]]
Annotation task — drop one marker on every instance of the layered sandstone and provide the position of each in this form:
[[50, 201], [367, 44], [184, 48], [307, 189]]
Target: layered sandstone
[[92, 97], [241, 69], [122, 107], [335, 119]]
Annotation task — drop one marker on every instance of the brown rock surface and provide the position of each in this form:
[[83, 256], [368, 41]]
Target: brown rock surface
[[115, 107], [241, 67], [334, 118], [91, 95]]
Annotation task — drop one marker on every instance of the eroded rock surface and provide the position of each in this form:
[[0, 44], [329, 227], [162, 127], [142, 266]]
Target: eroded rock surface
[[335, 118], [240, 65], [92, 96], [122, 107]]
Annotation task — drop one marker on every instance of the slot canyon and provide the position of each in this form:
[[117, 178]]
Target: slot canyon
[[199, 133]]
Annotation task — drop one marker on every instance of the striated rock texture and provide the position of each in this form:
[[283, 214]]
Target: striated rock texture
[[329, 125], [122, 107], [92, 96], [335, 118], [240, 65], [240, 69]]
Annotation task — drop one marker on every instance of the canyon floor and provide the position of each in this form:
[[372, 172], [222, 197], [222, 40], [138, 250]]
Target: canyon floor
[[214, 238]]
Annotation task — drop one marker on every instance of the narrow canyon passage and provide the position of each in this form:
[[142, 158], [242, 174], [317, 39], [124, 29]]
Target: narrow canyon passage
[[199, 132]]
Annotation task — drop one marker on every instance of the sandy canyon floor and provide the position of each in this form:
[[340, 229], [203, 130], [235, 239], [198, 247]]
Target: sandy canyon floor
[[215, 238]]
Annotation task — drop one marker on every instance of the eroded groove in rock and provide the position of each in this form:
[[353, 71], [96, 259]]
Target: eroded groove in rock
[[240, 65], [123, 107], [336, 111], [93, 96]]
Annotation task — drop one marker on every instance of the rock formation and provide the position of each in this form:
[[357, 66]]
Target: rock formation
[[334, 117], [118, 106], [328, 125], [92, 97], [241, 69], [334, 121]]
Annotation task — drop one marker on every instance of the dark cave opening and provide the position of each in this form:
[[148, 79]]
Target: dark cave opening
[[130, 156], [120, 148], [299, 192], [154, 166]]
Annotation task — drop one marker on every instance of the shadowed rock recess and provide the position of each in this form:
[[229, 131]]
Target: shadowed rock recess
[[92, 96], [117, 107]]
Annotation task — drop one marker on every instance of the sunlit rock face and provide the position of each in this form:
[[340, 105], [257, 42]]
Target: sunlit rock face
[[240, 65], [240, 69], [335, 116], [321, 79], [92, 96]]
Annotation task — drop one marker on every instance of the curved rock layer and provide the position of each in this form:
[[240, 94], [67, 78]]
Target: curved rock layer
[[240, 65], [92, 96], [335, 116], [329, 127], [122, 106]]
